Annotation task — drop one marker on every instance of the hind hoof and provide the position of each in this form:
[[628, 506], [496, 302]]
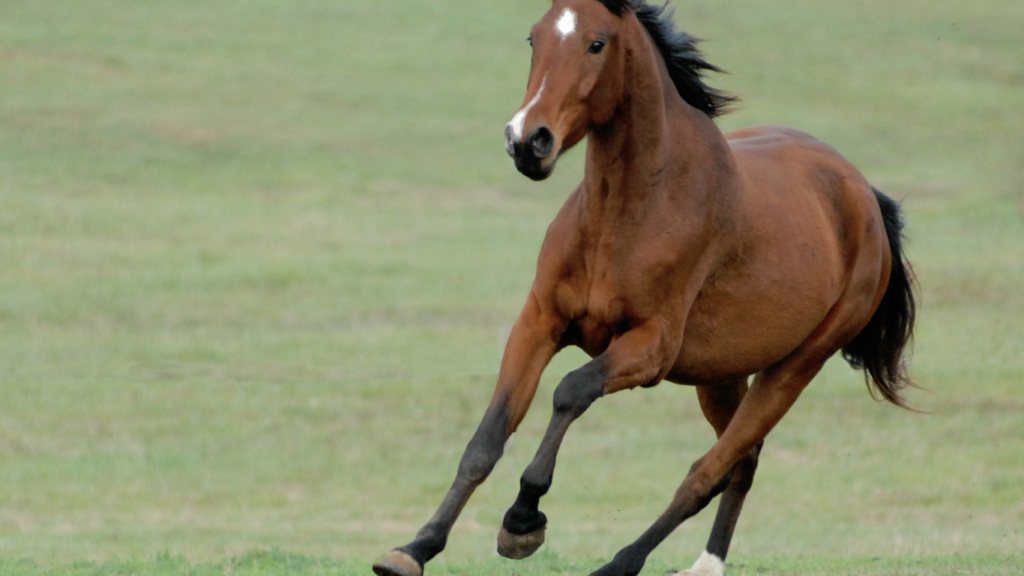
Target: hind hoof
[[516, 546], [397, 563], [706, 565]]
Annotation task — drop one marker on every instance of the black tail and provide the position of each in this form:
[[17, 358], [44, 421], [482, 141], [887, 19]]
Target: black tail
[[879, 348]]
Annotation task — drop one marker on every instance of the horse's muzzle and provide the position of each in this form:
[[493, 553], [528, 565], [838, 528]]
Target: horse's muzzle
[[530, 154]]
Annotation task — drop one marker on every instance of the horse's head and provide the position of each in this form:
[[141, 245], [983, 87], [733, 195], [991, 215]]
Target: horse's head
[[575, 81]]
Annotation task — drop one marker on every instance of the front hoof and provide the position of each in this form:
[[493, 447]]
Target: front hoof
[[397, 563], [517, 547]]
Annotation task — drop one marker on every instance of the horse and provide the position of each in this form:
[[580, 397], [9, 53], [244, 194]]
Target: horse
[[685, 255]]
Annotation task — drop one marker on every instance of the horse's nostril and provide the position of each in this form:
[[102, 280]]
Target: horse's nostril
[[541, 142]]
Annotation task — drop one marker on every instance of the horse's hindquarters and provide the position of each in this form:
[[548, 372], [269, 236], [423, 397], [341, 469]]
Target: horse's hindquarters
[[805, 239]]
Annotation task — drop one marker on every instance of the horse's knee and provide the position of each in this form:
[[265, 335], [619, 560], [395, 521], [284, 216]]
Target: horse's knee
[[478, 462], [743, 472], [577, 391], [486, 447]]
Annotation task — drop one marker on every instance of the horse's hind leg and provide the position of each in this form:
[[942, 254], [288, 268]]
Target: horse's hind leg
[[719, 404], [769, 398]]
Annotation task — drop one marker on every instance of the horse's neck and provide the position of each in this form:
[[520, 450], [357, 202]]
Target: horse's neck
[[654, 153]]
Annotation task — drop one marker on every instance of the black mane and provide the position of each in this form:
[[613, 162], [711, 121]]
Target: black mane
[[686, 64]]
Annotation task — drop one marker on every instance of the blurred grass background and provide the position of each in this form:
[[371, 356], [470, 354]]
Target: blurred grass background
[[257, 259]]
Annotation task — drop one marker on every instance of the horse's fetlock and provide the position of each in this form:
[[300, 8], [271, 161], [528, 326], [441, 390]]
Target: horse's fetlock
[[432, 537], [521, 519], [626, 563]]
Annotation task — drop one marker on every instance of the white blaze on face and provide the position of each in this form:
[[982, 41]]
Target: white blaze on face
[[566, 25], [517, 121], [707, 565]]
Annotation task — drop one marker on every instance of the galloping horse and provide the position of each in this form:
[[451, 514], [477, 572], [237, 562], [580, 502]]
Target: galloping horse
[[684, 255]]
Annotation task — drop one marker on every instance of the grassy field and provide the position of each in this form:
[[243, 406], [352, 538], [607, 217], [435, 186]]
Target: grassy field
[[276, 563], [257, 259]]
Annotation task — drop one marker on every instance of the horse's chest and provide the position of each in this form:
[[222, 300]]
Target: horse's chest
[[601, 313]]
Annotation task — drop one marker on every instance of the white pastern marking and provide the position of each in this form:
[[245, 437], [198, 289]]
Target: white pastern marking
[[566, 25], [707, 565], [520, 117]]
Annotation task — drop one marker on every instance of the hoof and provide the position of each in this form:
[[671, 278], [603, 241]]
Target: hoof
[[397, 563], [517, 546]]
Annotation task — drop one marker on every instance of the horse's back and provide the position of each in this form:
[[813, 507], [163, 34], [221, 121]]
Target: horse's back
[[788, 170], [787, 154]]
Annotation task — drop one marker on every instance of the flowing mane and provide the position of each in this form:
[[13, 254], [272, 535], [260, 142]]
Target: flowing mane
[[686, 64]]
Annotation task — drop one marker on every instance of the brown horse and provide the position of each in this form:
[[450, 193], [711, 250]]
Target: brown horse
[[685, 255]]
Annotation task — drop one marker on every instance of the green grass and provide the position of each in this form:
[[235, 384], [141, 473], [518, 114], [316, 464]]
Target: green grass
[[277, 563], [257, 259]]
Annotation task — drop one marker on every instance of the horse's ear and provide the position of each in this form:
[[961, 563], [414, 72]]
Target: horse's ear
[[617, 7]]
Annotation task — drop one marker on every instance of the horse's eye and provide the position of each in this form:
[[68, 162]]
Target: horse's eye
[[530, 40], [596, 47]]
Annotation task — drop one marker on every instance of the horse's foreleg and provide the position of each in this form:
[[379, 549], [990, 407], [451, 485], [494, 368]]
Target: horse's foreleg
[[531, 346], [633, 360], [769, 398]]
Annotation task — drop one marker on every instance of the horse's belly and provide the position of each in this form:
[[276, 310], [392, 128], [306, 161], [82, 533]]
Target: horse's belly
[[714, 351], [741, 328]]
